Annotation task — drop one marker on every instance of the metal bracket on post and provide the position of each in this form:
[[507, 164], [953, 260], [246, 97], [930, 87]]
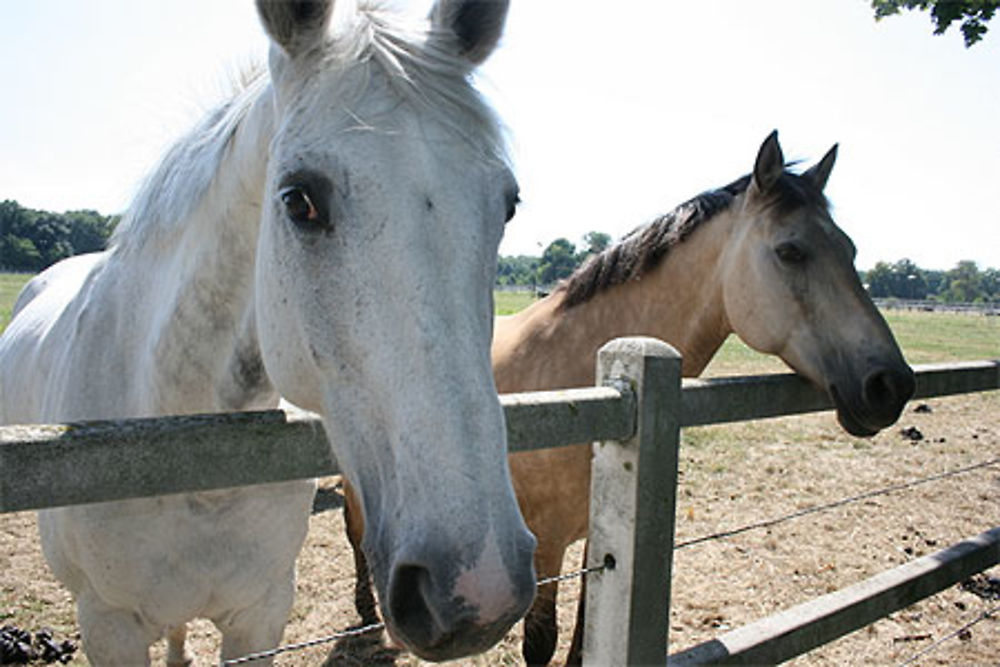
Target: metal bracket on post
[[633, 492]]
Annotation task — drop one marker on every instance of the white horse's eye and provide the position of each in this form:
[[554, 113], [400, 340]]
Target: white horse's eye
[[299, 207]]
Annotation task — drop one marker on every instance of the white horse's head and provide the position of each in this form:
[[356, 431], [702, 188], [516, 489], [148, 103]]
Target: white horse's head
[[386, 198]]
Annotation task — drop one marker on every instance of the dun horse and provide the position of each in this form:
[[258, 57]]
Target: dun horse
[[760, 257], [290, 246]]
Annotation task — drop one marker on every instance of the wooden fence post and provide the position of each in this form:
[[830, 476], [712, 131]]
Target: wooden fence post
[[633, 490]]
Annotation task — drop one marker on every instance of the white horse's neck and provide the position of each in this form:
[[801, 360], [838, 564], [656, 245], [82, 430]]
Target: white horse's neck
[[201, 344]]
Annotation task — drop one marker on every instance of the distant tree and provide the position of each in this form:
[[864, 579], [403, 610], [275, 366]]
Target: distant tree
[[908, 280], [879, 280], [973, 14], [32, 240], [990, 284], [964, 283], [89, 231], [519, 270], [19, 254], [596, 242], [902, 280], [905, 280], [558, 261], [14, 220], [50, 234], [935, 280]]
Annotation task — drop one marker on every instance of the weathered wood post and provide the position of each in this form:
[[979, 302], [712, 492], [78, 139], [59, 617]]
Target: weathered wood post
[[633, 490]]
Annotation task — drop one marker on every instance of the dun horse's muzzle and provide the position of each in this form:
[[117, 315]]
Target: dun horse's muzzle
[[878, 403]]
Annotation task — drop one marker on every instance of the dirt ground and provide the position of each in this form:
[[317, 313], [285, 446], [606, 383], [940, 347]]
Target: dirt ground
[[730, 476]]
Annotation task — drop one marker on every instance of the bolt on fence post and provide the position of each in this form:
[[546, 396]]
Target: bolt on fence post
[[633, 491]]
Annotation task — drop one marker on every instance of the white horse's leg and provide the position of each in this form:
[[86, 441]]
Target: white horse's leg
[[258, 628], [176, 657], [113, 636]]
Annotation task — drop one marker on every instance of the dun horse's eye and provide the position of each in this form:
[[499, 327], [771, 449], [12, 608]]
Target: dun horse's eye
[[790, 253], [299, 206]]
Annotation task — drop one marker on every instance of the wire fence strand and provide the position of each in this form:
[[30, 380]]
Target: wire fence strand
[[572, 575], [346, 634], [378, 627], [815, 509], [989, 613]]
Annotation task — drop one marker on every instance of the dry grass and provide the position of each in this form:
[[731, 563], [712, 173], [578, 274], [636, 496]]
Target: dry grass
[[730, 475]]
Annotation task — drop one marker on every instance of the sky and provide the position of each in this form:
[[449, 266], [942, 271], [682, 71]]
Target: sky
[[617, 110]]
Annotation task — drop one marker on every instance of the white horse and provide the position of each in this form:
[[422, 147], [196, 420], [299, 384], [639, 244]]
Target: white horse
[[329, 236]]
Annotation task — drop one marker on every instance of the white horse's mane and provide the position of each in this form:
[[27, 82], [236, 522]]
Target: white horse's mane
[[418, 65], [185, 174]]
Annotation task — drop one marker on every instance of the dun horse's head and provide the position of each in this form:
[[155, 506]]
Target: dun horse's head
[[386, 198], [791, 289]]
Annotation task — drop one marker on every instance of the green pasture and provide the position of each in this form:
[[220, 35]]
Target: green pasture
[[925, 337], [10, 285], [508, 303]]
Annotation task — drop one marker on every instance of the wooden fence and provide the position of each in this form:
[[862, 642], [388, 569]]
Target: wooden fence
[[635, 415]]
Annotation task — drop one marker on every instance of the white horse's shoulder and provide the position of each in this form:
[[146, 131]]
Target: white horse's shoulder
[[30, 349], [66, 276]]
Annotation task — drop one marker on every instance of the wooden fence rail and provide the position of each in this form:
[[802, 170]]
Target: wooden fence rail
[[65, 464], [802, 628], [640, 411]]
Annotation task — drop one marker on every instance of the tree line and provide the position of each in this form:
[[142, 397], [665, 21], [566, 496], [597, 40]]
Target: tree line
[[32, 240], [558, 261], [965, 283]]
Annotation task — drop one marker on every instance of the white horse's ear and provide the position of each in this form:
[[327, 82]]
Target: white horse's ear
[[297, 26], [770, 164], [821, 172], [470, 28]]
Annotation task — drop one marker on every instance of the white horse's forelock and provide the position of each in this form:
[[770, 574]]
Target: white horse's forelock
[[417, 64], [425, 71]]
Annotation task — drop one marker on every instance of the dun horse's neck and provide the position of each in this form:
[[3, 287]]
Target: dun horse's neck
[[205, 354], [680, 301]]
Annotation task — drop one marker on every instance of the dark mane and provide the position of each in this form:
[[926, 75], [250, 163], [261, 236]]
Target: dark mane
[[643, 249]]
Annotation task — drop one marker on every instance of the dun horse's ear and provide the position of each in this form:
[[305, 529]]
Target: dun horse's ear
[[471, 28], [770, 163], [821, 172], [296, 26]]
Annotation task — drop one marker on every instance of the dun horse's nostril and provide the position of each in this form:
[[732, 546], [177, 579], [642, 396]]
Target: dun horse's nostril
[[879, 390], [886, 390]]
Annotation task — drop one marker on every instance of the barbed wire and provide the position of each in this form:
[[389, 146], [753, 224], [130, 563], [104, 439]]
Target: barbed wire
[[951, 635], [767, 523]]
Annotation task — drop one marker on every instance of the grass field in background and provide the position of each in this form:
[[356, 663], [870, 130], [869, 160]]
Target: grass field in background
[[924, 336], [508, 303], [10, 285]]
